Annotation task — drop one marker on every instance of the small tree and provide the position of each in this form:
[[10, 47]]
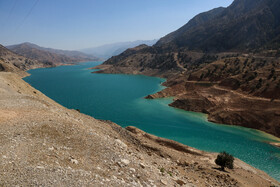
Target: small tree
[[224, 160]]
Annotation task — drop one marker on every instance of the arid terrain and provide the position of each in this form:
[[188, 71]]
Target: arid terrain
[[45, 144], [49, 55], [224, 62], [10, 61]]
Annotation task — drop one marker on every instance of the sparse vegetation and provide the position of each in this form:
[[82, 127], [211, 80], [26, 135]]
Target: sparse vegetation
[[225, 160]]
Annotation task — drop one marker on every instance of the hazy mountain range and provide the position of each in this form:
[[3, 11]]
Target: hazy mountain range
[[42, 54], [109, 50]]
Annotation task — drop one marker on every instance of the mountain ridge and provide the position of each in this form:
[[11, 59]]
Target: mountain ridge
[[56, 56], [244, 25], [12, 62]]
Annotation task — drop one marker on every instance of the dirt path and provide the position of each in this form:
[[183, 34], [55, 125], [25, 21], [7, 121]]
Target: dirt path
[[178, 63], [233, 91], [245, 96]]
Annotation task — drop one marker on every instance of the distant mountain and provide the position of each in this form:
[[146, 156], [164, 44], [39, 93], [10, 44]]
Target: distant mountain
[[109, 50], [12, 62], [56, 56]]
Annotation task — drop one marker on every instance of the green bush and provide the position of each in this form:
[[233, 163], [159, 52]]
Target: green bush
[[224, 160]]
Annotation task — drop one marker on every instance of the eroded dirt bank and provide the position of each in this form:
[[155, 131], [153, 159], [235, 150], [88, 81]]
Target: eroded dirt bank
[[225, 106]]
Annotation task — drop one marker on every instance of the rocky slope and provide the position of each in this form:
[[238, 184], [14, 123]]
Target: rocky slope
[[244, 25], [234, 49], [45, 144], [56, 56]]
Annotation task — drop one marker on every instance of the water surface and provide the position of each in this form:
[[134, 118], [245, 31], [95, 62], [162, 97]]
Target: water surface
[[119, 98]]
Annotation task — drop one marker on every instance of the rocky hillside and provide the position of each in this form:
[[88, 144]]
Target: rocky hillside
[[11, 62], [235, 49], [245, 25], [45, 144], [35, 52]]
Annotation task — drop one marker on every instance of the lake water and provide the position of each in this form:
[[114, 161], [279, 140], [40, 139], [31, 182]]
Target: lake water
[[120, 98]]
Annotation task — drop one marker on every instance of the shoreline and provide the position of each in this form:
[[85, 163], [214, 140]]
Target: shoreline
[[275, 144], [168, 92], [275, 140], [206, 116], [200, 113]]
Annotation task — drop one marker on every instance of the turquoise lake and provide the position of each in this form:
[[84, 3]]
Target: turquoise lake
[[120, 98]]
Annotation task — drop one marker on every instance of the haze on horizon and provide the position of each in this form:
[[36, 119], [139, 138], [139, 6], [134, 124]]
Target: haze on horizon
[[73, 24]]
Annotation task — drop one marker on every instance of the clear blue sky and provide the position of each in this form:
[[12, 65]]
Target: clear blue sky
[[77, 24]]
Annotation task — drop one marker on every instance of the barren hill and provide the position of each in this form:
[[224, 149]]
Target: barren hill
[[56, 56], [11, 62], [243, 26]]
